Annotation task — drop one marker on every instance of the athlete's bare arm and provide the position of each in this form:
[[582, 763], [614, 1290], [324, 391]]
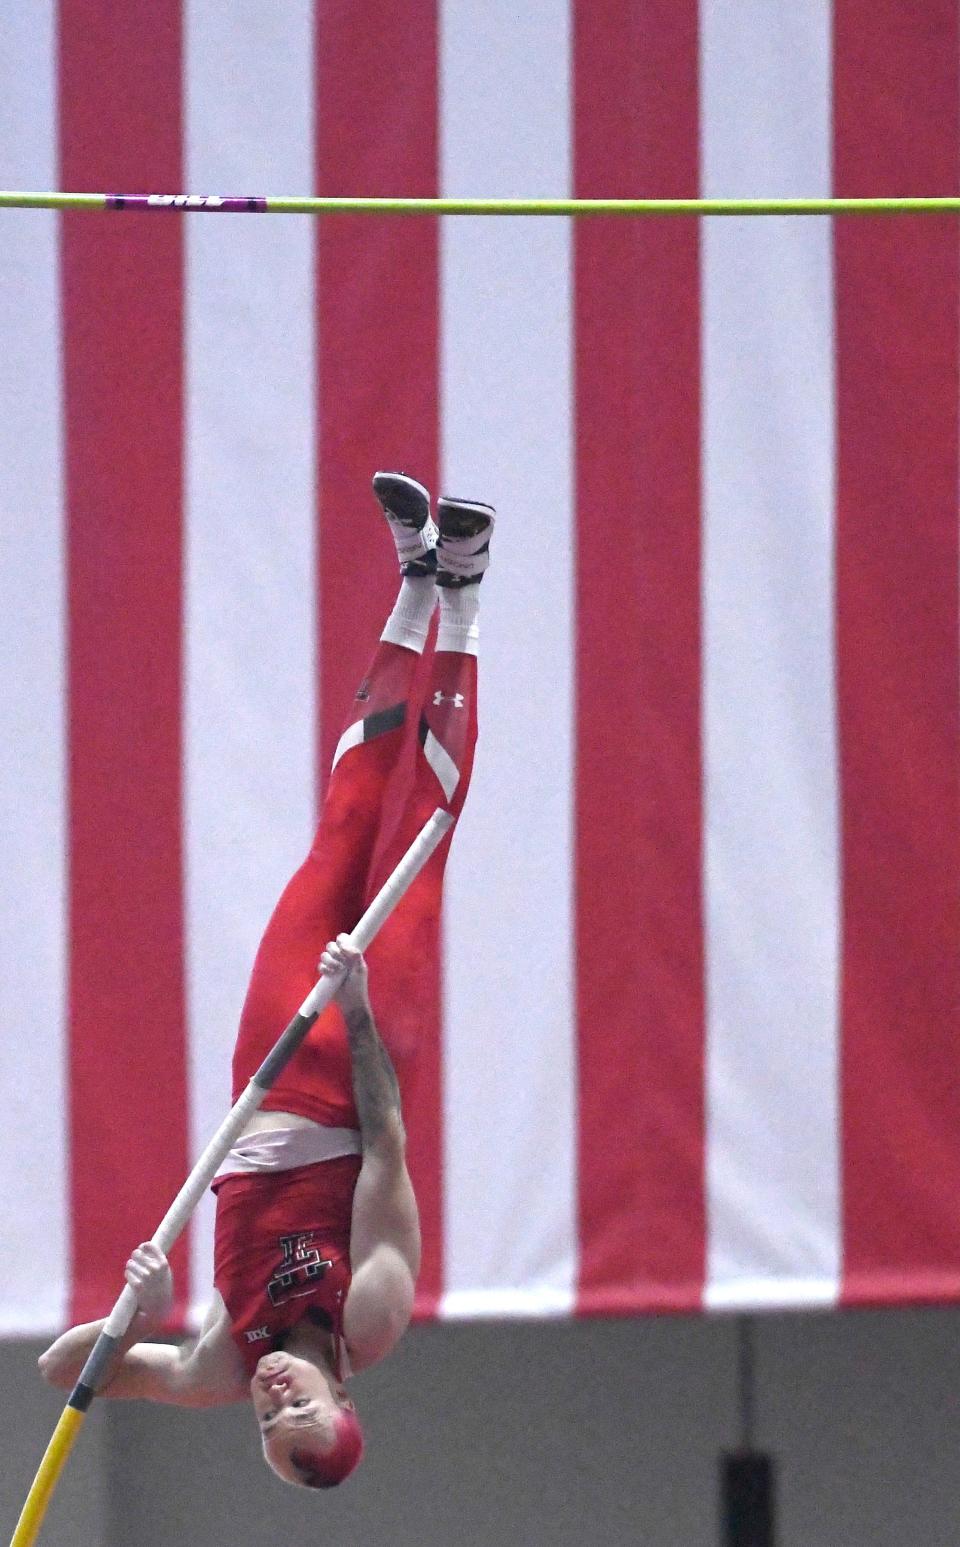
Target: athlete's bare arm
[[385, 1226], [206, 1373]]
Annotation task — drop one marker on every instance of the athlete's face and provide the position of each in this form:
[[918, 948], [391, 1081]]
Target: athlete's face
[[285, 1387], [295, 1404]]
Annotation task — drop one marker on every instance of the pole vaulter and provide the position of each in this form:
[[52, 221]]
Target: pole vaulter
[[99, 1362], [317, 1241]]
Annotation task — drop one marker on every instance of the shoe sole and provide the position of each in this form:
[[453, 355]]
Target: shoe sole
[[403, 498], [463, 518]]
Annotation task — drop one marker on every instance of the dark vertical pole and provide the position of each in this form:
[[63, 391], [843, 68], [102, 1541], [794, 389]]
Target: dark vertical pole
[[746, 1474], [746, 1381]]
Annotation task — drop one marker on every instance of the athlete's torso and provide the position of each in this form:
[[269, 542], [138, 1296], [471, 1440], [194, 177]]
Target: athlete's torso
[[282, 1252]]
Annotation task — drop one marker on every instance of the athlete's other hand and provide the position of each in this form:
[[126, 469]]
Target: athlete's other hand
[[342, 956], [148, 1274]]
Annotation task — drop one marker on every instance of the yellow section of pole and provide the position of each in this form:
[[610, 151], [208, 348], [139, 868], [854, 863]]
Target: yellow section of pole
[[54, 1460], [232, 204]]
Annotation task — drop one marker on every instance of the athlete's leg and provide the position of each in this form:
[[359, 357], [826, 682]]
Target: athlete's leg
[[327, 894], [402, 958]]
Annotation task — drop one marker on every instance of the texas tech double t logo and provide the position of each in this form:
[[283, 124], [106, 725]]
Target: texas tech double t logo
[[298, 1270]]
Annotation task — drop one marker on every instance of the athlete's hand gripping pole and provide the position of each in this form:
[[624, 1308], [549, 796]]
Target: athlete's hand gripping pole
[[101, 1357]]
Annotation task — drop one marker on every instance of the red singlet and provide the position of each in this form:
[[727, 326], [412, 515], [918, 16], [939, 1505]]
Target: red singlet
[[282, 1253]]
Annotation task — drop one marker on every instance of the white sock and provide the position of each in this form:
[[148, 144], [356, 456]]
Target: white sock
[[409, 622], [459, 626]]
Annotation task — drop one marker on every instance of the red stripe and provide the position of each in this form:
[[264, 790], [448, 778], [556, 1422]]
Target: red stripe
[[896, 117], [119, 83], [638, 801], [378, 390]]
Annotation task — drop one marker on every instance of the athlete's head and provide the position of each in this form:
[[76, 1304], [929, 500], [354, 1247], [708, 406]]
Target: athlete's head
[[310, 1432]]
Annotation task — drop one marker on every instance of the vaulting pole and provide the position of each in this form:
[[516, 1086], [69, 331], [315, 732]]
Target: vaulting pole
[[101, 1357]]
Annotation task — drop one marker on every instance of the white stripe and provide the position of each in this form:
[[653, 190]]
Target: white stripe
[[249, 675], [510, 1202], [34, 1224], [352, 737], [772, 1294], [496, 1304], [442, 764], [771, 843]]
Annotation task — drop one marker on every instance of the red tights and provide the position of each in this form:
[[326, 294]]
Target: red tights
[[353, 853]]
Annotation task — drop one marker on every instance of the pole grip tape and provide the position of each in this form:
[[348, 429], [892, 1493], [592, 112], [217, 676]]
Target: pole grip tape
[[92, 1375], [284, 1049]]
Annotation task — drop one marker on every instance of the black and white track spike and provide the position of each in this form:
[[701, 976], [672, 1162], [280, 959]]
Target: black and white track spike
[[463, 547], [406, 505]]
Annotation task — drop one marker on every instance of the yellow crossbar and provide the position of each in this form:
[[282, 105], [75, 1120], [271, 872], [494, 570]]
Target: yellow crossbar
[[259, 204]]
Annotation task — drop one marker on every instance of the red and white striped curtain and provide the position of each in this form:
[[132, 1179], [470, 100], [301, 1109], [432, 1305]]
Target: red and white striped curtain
[[695, 1038]]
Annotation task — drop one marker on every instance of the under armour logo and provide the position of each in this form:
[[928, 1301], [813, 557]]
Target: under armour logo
[[258, 1335], [456, 699]]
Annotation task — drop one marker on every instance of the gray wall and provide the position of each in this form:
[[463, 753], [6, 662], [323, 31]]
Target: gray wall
[[565, 1434]]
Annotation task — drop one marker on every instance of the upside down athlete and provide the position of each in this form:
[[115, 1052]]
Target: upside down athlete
[[317, 1244]]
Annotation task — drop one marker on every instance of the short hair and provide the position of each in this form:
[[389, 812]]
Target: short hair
[[327, 1468]]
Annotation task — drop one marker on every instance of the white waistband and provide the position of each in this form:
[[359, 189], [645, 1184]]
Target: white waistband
[[281, 1149]]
